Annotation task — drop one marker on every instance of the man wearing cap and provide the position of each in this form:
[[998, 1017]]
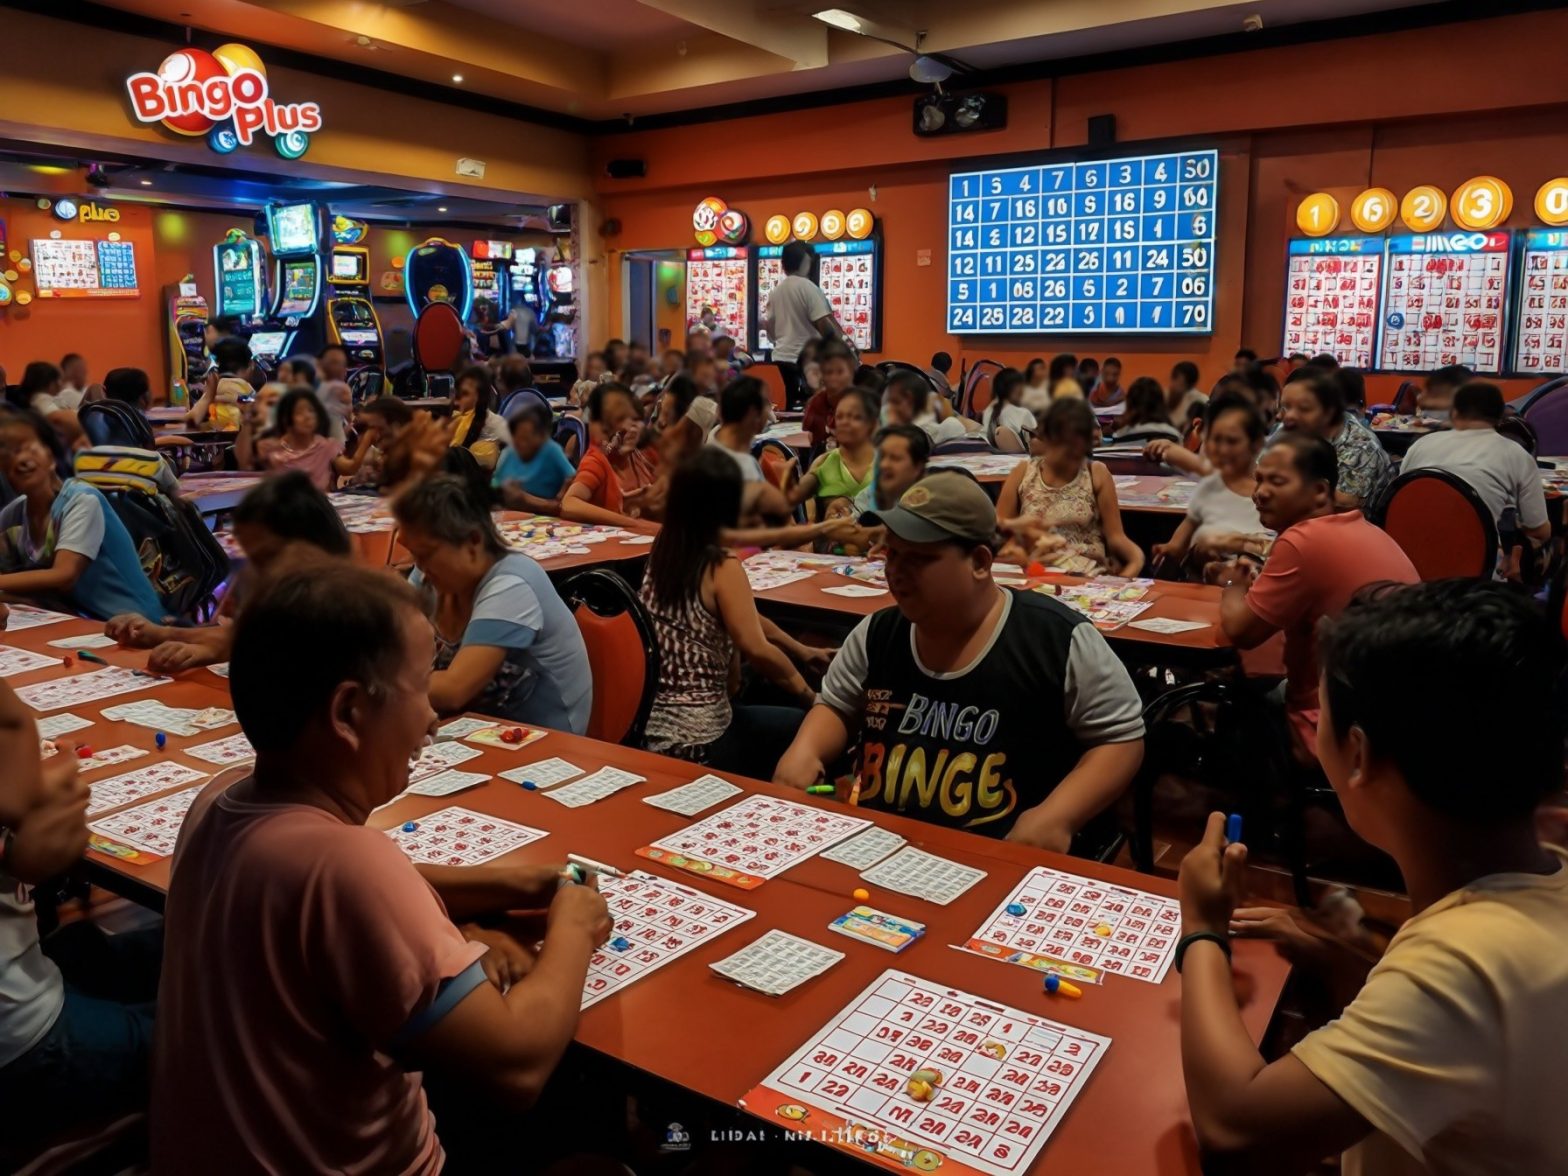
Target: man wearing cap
[[975, 706]]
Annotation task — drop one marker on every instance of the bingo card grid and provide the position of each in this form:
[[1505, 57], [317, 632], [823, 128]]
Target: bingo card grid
[[850, 277], [662, 920], [1061, 914], [991, 1113], [723, 283], [117, 265], [1445, 298], [64, 266], [1121, 246], [1541, 325], [1332, 286], [761, 835]]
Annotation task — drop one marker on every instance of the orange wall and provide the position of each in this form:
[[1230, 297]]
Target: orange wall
[[169, 244], [1289, 121]]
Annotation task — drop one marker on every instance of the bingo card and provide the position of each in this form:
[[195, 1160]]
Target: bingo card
[[1081, 928], [58, 693], [720, 277], [22, 661], [752, 841], [1006, 1080], [1110, 246], [849, 275], [1444, 301], [150, 828], [1541, 326], [657, 920], [1331, 293], [458, 836]]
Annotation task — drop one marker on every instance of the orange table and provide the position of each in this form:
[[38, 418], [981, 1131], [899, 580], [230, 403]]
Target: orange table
[[686, 1026], [219, 490]]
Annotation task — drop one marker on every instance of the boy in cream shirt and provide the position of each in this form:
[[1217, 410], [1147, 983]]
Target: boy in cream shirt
[[1449, 1059]]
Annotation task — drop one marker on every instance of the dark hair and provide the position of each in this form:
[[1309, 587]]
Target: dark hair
[[683, 390], [515, 372], [599, 355], [536, 414], [36, 376], [1068, 417], [1029, 368], [231, 355], [704, 498], [1453, 375], [1110, 359], [742, 395], [1188, 371], [942, 362], [1004, 384], [1088, 366], [833, 349], [304, 369], [347, 616], [1247, 354], [913, 383], [675, 351], [390, 409], [602, 393], [918, 440], [128, 385], [291, 400], [1145, 404], [1224, 402], [68, 357], [870, 379], [444, 507], [1478, 400], [1263, 384], [289, 505], [870, 403], [1325, 361], [1324, 388], [1063, 367], [1352, 386], [793, 254], [333, 347], [44, 432], [484, 402], [1443, 638], [1313, 458]]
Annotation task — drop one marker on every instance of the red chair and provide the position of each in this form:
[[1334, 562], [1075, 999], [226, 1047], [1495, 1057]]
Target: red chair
[[1442, 525], [623, 654], [438, 346]]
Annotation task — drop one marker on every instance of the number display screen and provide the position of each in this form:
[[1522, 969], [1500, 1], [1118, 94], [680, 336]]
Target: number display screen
[[1445, 297], [1541, 326], [1115, 246], [1331, 298]]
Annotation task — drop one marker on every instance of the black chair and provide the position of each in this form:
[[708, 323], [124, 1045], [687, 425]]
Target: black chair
[[963, 445], [517, 397], [572, 428], [623, 652], [367, 384], [111, 422], [979, 376]]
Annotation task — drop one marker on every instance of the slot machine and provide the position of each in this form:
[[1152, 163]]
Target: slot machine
[[351, 317], [187, 340], [436, 270], [295, 232]]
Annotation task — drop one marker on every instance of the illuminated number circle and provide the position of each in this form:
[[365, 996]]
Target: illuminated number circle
[[1423, 208], [776, 230], [292, 144], [5, 293], [859, 223], [1318, 215], [222, 139], [832, 224], [1482, 203], [1551, 202], [11, 276], [805, 225], [1374, 210]]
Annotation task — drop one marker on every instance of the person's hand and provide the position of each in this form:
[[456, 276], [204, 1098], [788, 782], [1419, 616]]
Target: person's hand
[[130, 629], [506, 962], [5, 616], [815, 658], [173, 656], [52, 834], [1033, 535], [1212, 880], [1161, 550], [532, 887], [1156, 450], [1276, 925], [1240, 572], [581, 909]]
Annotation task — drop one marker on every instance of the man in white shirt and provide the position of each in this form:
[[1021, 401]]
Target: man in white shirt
[[797, 312], [73, 382], [743, 413], [1500, 471]]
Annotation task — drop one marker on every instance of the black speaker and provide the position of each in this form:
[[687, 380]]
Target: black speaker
[[560, 216], [626, 169], [1102, 130]]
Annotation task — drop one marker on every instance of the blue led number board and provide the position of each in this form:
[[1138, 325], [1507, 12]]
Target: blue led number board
[[1111, 246]]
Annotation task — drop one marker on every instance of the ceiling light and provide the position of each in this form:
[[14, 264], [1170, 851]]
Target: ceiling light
[[930, 70], [840, 19], [146, 183], [458, 78], [442, 208]]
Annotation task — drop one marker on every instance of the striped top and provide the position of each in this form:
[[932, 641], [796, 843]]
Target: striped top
[[692, 707]]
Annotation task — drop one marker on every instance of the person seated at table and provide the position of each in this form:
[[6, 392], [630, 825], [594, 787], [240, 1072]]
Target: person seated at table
[[614, 477], [1107, 391], [938, 370], [1321, 557], [1435, 400], [845, 471], [76, 1007], [296, 1018], [595, 372], [1063, 378], [281, 521], [743, 412], [60, 540], [1037, 386], [705, 620], [301, 443], [903, 452], [1183, 400], [227, 383], [1448, 1058], [1353, 387], [837, 367], [675, 433], [1500, 471], [299, 371], [131, 387], [1222, 520], [476, 426], [1036, 720], [1145, 415], [907, 400], [1262, 387], [534, 470], [506, 644], [1313, 402], [1006, 411], [1062, 487], [383, 420], [338, 400], [1245, 360], [40, 392]]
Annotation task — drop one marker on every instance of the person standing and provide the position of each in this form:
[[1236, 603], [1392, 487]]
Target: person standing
[[797, 312]]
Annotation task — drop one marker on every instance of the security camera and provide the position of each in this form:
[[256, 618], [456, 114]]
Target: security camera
[[1251, 23], [97, 177]]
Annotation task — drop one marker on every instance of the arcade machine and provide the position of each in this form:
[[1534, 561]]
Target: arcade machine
[[438, 271], [351, 319], [188, 358], [293, 325], [239, 281]]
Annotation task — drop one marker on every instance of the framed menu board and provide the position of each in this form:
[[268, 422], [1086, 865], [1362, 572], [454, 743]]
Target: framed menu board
[[84, 269]]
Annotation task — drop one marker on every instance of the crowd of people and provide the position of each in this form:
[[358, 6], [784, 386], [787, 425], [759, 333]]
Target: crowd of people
[[293, 1022]]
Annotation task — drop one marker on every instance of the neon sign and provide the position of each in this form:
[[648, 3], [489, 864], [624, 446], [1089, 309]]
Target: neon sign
[[223, 95]]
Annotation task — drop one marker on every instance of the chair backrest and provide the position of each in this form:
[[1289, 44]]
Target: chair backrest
[[1405, 397], [109, 422], [367, 383], [780, 466], [1547, 414], [1516, 428], [572, 429], [623, 654], [1008, 441], [438, 338], [1441, 524], [518, 397], [976, 392], [962, 445], [1520, 403]]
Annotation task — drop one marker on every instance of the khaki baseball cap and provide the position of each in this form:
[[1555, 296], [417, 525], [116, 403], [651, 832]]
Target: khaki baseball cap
[[941, 506]]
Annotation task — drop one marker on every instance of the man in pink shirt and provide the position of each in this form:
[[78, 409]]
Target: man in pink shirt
[[311, 971], [1320, 560]]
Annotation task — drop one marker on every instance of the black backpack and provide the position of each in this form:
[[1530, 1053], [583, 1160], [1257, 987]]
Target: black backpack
[[178, 554]]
